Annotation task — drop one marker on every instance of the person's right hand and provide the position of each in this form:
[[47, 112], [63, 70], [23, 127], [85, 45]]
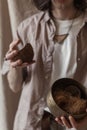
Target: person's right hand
[[13, 50], [72, 123]]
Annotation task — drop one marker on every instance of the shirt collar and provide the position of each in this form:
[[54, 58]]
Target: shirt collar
[[46, 15]]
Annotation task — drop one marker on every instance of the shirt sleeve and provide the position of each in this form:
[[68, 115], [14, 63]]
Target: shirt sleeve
[[6, 63], [23, 33], [17, 35]]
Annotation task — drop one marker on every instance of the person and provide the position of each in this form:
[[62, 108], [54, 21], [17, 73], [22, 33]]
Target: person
[[57, 35]]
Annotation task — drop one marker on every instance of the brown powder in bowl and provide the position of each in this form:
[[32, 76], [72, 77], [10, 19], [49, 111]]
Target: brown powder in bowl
[[71, 104]]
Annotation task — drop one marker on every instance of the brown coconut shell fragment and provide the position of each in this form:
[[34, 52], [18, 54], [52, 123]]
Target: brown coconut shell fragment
[[26, 54]]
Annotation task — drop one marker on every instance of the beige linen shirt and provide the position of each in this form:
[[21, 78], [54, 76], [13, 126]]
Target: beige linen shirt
[[39, 30]]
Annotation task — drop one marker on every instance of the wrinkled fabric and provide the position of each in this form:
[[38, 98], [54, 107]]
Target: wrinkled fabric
[[65, 53], [12, 12], [39, 31]]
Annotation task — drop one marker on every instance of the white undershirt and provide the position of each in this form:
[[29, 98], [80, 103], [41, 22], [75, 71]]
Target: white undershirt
[[64, 56]]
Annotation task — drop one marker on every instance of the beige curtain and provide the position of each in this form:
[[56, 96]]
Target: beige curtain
[[12, 12]]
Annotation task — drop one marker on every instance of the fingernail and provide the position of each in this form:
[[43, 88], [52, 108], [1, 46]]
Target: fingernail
[[56, 119], [70, 117], [62, 117]]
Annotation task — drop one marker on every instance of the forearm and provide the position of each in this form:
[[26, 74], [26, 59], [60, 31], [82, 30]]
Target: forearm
[[15, 79]]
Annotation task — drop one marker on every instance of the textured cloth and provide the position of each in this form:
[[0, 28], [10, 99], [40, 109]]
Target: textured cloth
[[39, 30], [67, 49], [12, 12]]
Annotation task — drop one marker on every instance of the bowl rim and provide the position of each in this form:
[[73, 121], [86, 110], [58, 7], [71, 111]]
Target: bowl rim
[[68, 81]]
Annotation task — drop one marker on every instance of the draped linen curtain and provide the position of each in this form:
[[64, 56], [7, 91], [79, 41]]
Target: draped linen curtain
[[12, 12]]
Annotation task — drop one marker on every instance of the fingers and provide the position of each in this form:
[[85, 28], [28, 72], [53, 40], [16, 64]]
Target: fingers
[[78, 124], [72, 121], [27, 64], [14, 44], [19, 63], [65, 122], [59, 121], [12, 50], [16, 63], [10, 55]]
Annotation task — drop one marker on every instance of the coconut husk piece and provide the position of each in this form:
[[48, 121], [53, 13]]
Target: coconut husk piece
[[26, 54]]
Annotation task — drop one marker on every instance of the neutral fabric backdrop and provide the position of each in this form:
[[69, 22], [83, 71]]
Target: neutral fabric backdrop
[[12, 12]]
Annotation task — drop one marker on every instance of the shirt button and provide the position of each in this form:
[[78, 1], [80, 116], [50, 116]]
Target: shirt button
[[78, 59]]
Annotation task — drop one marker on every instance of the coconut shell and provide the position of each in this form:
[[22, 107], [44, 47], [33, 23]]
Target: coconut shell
[[26, 54]]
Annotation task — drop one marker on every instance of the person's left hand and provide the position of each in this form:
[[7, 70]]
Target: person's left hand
[[72, 123]]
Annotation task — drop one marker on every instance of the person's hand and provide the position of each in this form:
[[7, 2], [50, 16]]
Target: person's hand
[[12, 52], [72, 123]]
